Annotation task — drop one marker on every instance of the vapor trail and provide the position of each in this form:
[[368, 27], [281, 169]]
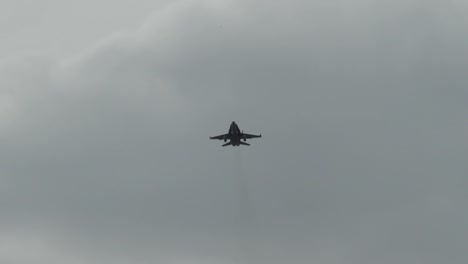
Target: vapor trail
[[245, 211]]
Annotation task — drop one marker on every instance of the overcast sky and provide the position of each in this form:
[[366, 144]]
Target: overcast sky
[[106, 108]]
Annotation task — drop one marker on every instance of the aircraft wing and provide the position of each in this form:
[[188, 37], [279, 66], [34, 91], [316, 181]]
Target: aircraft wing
[[251, 136], [221, 137]]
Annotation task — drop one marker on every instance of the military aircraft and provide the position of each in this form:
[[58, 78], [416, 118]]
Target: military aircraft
[[235, 136]]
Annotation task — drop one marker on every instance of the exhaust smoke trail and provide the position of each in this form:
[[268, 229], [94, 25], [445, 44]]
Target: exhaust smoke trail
[[245, 210]]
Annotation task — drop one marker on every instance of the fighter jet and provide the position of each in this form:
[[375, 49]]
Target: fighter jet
[[235, 136]]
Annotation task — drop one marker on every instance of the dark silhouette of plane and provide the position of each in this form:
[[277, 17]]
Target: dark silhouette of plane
[[235, 136]]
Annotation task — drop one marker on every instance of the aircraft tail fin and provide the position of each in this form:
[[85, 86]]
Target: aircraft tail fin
[[227, 144], [243, 143]]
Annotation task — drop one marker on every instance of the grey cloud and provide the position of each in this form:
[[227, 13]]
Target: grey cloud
[[363, 157]]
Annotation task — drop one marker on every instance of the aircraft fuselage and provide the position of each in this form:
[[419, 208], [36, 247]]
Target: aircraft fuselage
[[235, 135]]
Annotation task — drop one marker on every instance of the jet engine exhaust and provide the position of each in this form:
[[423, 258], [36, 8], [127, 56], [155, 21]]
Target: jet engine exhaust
[[245, 210]]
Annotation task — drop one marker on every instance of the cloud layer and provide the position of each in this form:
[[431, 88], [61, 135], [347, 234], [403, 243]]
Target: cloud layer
[[105, 155]]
